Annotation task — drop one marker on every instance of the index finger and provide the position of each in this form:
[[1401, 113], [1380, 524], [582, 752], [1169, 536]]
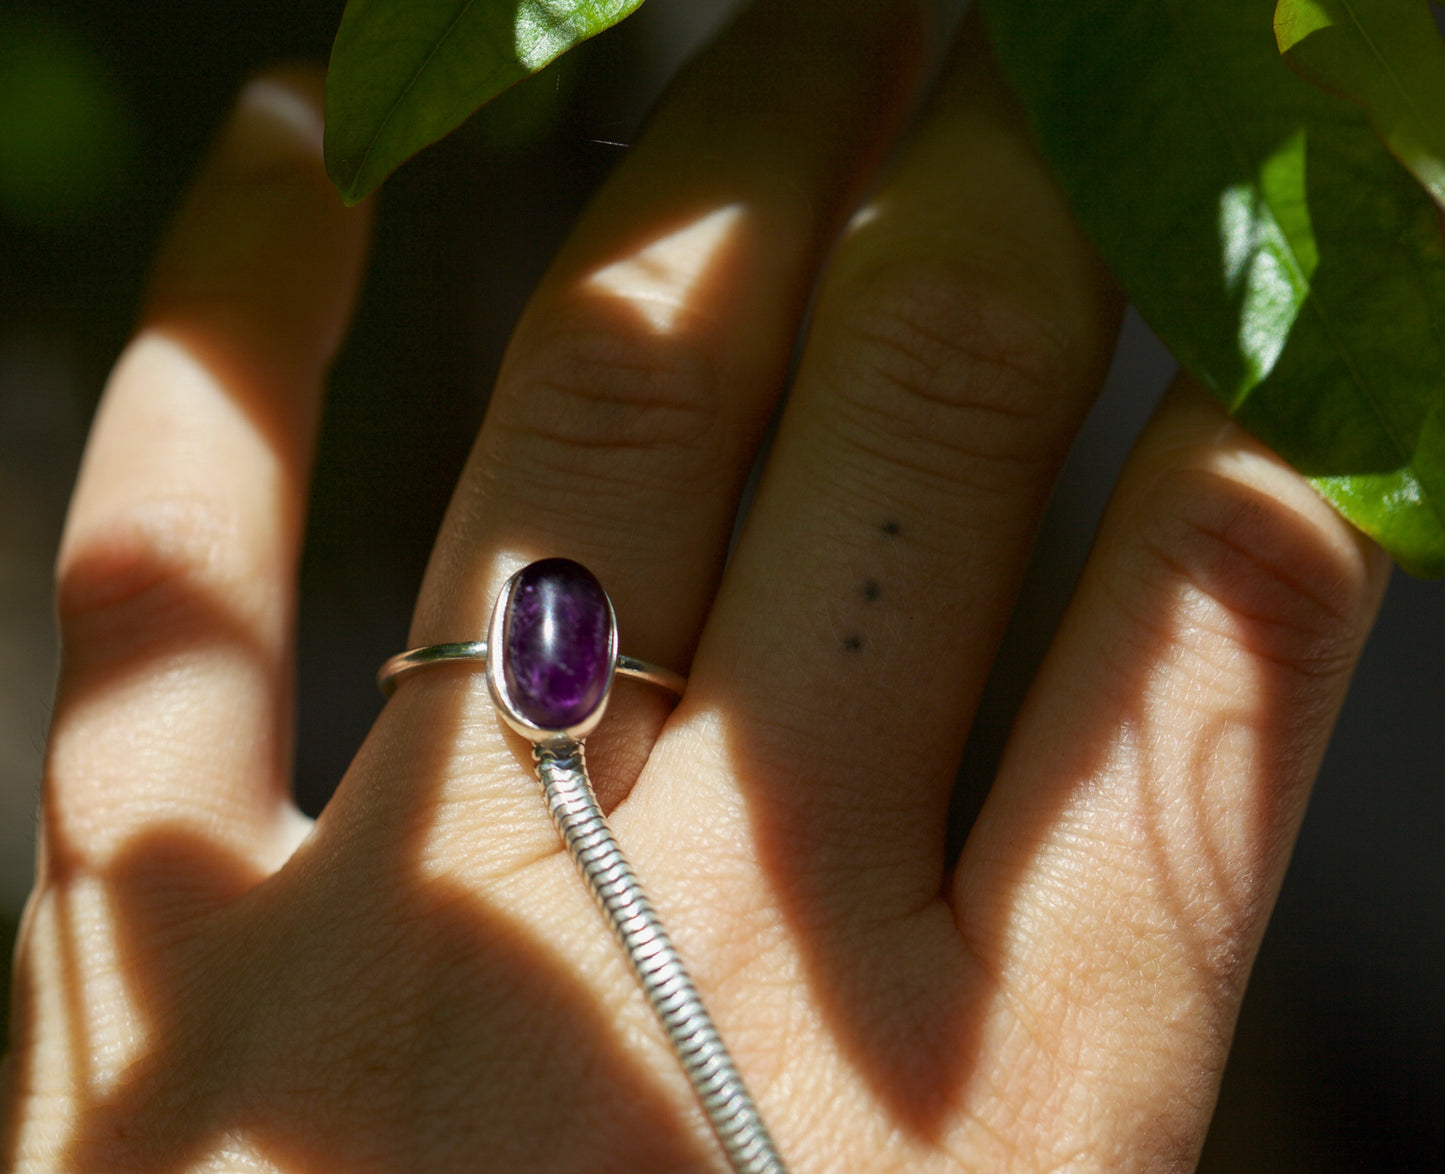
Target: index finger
[[176, 567]]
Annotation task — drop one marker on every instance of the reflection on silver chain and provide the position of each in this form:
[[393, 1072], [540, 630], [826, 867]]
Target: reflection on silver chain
[[729, 1107]]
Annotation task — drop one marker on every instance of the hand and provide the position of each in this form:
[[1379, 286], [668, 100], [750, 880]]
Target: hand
[[419, 983]]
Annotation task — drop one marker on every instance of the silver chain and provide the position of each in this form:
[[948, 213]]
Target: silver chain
[[655, 961]]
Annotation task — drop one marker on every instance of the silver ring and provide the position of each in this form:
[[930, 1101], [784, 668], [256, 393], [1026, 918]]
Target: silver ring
[[554, 633], [403, 664]]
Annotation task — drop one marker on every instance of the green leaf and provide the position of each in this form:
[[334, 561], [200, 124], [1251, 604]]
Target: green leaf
[[404, 73], [1385, 55], [1263, 230]]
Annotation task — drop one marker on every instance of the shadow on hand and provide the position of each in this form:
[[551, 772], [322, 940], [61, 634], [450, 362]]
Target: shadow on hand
[[907, 996], [365, 1026], [334, 1022], [352, 1012]]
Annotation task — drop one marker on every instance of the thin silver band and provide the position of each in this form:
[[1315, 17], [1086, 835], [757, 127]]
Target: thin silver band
[[562, 770], [403, 664]]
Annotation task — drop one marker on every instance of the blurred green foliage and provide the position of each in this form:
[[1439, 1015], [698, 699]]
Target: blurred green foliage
[[67, 137]]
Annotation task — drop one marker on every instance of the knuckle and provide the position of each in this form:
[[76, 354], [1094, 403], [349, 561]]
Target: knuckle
[[1281, 584], [950, 374], [162, 566], [606, 405]]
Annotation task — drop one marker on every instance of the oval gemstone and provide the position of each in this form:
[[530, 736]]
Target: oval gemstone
[[557, 644]]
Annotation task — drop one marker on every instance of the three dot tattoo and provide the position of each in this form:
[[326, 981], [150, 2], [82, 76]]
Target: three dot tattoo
[[870, 590]]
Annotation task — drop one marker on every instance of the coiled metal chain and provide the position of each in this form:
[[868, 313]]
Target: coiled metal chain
[[655, 961]]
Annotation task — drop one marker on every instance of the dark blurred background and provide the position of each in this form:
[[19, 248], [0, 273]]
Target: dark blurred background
[[104, 109]]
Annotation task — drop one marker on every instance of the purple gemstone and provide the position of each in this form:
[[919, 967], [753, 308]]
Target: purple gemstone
[[557, 644]]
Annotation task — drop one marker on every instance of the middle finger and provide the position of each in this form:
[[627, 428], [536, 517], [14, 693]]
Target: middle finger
[[639, 380]]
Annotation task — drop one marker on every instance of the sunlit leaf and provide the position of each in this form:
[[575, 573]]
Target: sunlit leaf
[[1385, 55], [404, 73], [1263, 230]]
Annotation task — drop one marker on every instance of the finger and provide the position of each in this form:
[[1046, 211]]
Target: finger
[[176, 569], [644, 370], [1117, 884], [648, 361], [960, 334]]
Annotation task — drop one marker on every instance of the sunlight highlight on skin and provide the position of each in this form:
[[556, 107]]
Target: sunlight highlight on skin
[[1204, 778], [658, 279], [82, 996], [293, 828], [1170, 812], [272, 100], [112, 1029], [862, 218], [237, 1155], [487, 797], [49, 987]]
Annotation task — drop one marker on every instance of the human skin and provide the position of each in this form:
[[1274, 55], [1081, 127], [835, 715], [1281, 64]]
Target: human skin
[[418, 982]]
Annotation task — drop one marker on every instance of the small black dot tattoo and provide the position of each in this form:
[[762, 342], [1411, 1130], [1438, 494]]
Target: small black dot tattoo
[[852, 643], [871, 590], [892, 528]]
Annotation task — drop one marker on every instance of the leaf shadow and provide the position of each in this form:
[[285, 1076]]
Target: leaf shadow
[[251, 1040], [906, 1000], [354, 1011]]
